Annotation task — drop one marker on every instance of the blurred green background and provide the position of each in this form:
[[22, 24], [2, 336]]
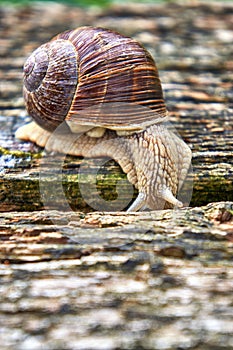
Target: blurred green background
[[84, 3], [99, 3]]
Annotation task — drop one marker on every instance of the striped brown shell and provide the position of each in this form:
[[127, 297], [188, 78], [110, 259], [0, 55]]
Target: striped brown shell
[[94, 77]]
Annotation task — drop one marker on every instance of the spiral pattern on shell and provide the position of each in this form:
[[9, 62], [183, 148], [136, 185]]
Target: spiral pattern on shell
[[85, 68]]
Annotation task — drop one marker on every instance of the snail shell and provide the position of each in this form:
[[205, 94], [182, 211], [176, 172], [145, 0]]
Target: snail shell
[[93, 77]]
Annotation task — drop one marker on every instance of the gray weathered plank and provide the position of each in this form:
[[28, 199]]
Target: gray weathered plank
[[117, 281]]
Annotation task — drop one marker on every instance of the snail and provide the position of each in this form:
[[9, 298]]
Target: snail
[[104, 86]]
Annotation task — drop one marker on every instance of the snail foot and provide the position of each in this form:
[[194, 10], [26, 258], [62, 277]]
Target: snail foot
[[34, 133]]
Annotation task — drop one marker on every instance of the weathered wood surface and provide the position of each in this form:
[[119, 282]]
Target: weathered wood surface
[[150, 280], [155, 280], [193, 54]]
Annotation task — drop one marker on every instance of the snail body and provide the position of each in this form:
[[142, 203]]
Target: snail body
[[105, 87]]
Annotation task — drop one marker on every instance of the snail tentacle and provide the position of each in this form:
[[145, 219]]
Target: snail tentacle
[[139, 203]]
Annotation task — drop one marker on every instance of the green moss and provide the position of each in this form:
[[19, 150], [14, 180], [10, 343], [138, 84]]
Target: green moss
[[212, 189], [22, 195], [19, 154]]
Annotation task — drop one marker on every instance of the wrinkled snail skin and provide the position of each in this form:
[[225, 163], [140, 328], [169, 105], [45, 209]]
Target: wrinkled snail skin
[[156, 161], [106, 88]]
